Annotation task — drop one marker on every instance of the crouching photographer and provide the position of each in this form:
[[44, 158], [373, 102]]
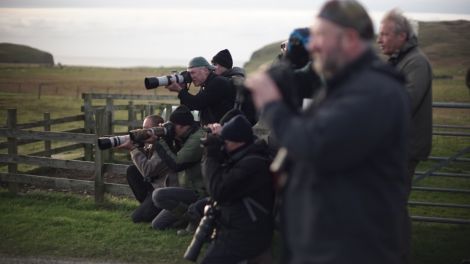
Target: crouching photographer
[[183, 157], [148, 171], [238, 178]]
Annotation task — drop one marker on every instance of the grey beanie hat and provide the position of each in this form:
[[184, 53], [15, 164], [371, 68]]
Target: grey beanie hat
[[349, 14], [199, 62]]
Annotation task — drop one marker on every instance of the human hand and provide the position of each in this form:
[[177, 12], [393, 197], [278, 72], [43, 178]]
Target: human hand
[[127, 145], [215, 128], [263, 89], [174, 86]]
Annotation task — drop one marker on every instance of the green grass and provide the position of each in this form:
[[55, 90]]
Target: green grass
[[65, 225], [61, 225]]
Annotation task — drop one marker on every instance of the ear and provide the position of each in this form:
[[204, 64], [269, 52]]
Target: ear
[[402, 36], [350, 39]]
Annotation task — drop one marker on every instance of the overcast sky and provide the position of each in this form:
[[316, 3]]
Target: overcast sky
[[156, 33]]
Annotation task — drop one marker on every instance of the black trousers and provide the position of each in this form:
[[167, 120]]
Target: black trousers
[[146, 211], [174, 201]]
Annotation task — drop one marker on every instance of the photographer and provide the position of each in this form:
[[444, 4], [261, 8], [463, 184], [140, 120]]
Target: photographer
[[223, 63], [215, 97], [238, 178], [147, 173], [185, 160], [345, 197]]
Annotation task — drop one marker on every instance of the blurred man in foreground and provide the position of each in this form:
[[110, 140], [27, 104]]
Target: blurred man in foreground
[[345, 196]]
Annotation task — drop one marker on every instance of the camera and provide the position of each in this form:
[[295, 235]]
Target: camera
[[204, 232], [138, 136], [154, 82]]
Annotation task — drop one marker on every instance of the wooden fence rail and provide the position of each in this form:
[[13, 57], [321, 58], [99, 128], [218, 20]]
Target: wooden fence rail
[[100, 120]]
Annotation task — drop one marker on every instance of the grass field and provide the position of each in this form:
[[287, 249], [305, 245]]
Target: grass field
[[66, 225]]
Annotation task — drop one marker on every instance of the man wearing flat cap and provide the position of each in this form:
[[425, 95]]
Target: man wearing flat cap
[[345, 196], [215, 97]]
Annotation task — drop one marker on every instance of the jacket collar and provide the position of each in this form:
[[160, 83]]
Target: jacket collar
[[209, 78], [410, 44]]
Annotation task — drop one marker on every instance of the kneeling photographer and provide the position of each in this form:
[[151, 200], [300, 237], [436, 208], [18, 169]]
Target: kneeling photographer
[[148, 171], [184, 159], [237, 174]]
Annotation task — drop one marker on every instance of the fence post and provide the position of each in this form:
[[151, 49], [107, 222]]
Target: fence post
[[39, 90], [88, 111], [131, 115], [100, 117], [12, 149], [109, 128], [47, 127]]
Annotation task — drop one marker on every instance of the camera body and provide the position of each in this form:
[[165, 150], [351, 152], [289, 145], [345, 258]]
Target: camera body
[[155, 82], [138, 136]]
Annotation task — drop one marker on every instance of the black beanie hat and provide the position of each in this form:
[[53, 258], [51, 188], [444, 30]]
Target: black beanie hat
[[223, 58], [349, 14], [182, 116], [238, 129]]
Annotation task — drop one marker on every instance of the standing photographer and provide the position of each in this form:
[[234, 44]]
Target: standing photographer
[[215, 97], [345, 197], [238, 178], [185, 160], [147, 173]]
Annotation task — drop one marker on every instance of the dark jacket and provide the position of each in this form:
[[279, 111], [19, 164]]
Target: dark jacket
[[242, 187], [412, 63], [213, 100], [345, 198], [234, 72]]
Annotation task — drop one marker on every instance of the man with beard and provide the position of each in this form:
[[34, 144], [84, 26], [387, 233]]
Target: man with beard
[[345, 196]]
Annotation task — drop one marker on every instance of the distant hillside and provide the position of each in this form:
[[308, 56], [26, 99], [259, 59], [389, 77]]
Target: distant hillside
[[14, 53], [446, 43]]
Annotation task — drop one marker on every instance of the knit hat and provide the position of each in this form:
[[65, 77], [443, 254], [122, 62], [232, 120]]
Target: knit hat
[[223, 58], [199, 62], [182, 116], [349, 14], [238, 129]]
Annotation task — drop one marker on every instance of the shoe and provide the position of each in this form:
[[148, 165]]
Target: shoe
[[189, 230]]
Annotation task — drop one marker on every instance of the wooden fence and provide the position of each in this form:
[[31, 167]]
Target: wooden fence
[[99, 120]]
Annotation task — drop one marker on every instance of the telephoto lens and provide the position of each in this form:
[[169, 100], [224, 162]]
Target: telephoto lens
[[111, 142], [203, 233], [155, 82]]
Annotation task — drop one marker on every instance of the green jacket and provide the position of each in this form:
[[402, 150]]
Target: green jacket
[[414, 65], [187, 160]]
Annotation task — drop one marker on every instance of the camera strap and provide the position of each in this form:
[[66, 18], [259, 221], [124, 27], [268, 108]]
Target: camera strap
[[249, 204]]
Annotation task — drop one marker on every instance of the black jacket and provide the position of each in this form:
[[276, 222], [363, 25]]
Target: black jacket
[[346, 197], [213, 100], [242, 187]]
